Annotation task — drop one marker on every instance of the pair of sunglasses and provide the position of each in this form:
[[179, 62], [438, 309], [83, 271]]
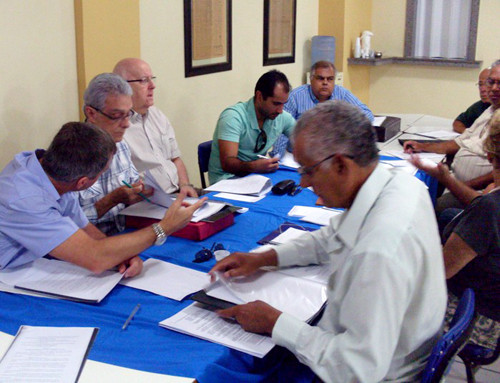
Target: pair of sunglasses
[[206, 254], [261, 141]]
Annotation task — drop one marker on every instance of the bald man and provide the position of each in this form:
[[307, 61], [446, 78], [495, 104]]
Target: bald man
[[467, 118], [150, 136]]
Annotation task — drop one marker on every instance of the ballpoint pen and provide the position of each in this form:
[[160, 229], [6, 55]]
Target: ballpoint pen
[[140, 193], [134, 311]]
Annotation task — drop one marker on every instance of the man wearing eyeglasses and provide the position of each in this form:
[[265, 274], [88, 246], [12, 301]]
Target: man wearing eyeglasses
[[151, 137], [246, 131], [386, 295], [107, 104], [470, 163], [467, 118], [321, 89], [40, 213]]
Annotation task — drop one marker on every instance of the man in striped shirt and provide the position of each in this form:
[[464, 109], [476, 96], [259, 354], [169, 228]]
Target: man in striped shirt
[[108, 105], [322, 88]]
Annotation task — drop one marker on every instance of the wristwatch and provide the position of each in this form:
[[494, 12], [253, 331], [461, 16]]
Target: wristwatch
[[161, 236]]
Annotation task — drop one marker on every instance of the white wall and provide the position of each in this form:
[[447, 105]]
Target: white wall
[[440, 91], [38, 86], [194, 104]]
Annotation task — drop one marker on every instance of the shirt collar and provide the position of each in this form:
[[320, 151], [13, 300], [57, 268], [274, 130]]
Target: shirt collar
[[250, 108], [351, 221], [35, 167], [313, 97]]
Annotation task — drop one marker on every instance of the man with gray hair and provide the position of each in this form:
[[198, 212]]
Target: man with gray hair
[[107, 104], [40, 214], [470, 163], [321, 88], [386, 292]]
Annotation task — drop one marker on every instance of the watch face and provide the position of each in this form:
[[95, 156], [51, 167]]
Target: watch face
[[160, 241]]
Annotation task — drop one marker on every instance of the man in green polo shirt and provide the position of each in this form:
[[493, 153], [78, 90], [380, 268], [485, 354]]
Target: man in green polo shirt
[[246, 131]]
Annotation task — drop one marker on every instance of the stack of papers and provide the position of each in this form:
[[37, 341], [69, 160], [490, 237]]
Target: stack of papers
[[299, 293], [153, 210], [438, 134], [318, 215], [197, 321], [251, 188], [47, 354], [434, 157], [59, 279], [288, 161]]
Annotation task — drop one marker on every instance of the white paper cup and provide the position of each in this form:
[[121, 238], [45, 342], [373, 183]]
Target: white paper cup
[[220, 254]]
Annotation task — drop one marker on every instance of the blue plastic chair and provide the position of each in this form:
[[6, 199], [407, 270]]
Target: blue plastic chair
[[204, 150], [475, 356], [452, 342]]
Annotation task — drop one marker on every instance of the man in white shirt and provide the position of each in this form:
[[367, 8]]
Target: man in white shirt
[[151, 137], [386, 292], [470, 164]]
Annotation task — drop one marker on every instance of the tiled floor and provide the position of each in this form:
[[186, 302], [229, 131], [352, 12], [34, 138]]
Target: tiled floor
[[487, 374]]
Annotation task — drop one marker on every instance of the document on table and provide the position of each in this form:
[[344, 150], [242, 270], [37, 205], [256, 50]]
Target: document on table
[[239, 197], [152, 210], [254, 184], [437, 134], [61, 279], [302, 298], [197, 321], [288, 235], [288, 161], [434, 157], [318, 215], [47, 354], [169, 280]]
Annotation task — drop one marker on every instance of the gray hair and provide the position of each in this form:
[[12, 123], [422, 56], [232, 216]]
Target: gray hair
[[322, 64], [338, 127], [102, 86], [495, 63], [78, 150]]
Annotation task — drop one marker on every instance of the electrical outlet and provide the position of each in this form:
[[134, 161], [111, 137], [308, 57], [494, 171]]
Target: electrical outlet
[[339, 78]]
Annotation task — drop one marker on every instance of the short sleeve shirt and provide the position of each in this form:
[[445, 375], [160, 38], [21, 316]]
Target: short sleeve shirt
[[153, 146], [238, 123], [34, 218], [479, 227]]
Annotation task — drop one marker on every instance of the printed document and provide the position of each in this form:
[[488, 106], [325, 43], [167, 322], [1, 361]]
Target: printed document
[[47, 354], [288, 161], [152, 210], [299, 297], [254, 184], [168, 280], [61, 279], [197, 321]]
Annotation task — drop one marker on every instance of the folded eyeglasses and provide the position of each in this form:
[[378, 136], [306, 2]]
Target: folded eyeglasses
[[206, 254]]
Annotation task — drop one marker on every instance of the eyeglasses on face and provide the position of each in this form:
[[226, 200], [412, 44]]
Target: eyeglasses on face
[[261, 141], [144, 80], [309, 170], [207, 254], [481, 84], [490, 82], [129, 114]]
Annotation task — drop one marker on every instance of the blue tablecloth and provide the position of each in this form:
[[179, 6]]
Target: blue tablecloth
[[144, 345]]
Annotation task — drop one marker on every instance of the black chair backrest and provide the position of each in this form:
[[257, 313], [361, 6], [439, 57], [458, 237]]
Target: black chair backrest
[[204, 150]]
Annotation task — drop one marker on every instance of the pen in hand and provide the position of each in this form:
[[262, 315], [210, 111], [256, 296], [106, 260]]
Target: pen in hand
[[140, 193], [134, 311]]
